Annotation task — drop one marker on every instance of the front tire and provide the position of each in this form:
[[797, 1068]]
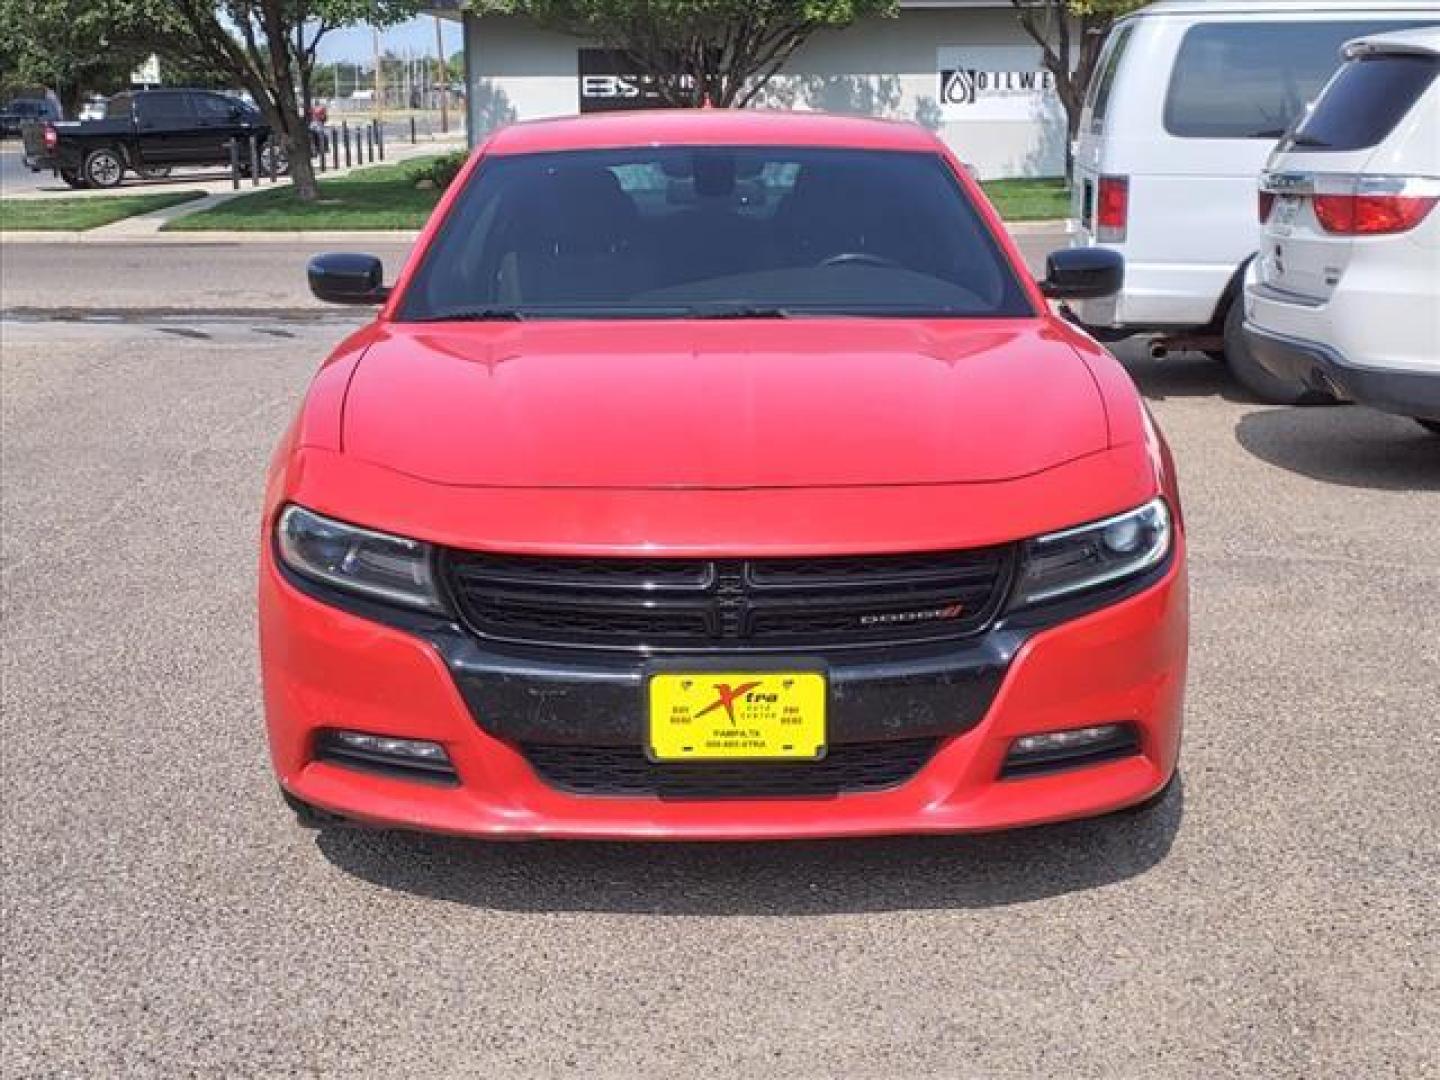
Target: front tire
[[1250, 374], [104, 168]]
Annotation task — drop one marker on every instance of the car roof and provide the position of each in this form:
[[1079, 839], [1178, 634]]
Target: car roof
[[1424, 40], [1284, 7], [709, 127]]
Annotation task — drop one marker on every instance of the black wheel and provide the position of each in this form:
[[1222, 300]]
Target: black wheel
[[272, 151], [1432, 426], [1249, 373], [104, 168], [73, 178]]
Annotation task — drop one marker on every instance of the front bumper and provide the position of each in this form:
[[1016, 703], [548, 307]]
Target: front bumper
[[1394, 390], [325, 667]]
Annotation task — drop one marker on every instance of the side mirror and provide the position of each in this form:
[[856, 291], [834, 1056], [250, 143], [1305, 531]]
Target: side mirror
[[1083, 274], [347, 278]]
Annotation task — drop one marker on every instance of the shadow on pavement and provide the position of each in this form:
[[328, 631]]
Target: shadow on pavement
[[777, 878], [1180, 375], [1354, 447]]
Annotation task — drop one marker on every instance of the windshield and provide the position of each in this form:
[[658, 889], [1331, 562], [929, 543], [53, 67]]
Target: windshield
[[713, 232]]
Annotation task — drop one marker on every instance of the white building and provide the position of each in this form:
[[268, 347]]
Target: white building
[[963, 68]]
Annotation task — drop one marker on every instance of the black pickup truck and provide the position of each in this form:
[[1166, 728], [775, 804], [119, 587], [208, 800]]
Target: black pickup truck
[[149, 132]]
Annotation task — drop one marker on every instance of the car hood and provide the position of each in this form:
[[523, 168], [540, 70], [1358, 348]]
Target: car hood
[[800, 403]]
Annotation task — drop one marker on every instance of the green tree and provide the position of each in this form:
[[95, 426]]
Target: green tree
[[1070, 34], [73, 47], [721, 51], [269, 48]]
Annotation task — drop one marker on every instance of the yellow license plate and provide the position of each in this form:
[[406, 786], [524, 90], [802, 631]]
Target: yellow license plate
[[737, 714]]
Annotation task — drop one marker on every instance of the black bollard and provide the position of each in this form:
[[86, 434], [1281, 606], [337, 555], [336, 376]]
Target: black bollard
[[334, 141], [413, 139], [380, 140], [345, 133], [254, 162], [369, 144], [235, 164]]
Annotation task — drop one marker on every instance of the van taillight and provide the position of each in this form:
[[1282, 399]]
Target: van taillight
[[1267, 203], [1372, 215], [51, 137], [1112, 209]]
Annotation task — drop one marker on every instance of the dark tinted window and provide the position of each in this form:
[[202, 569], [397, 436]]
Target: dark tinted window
[[166, 108], [1364, 103], [1251, 80], [215, 106], [118, 107], [679, 231], [1104, 80]]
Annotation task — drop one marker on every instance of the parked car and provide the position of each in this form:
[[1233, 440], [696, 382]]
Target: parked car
[[1188, 100], [148, 132], [21, 111], [1345, 294], [723, 515]]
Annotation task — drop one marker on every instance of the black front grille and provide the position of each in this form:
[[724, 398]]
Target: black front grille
[[729, 604], [625, 770]]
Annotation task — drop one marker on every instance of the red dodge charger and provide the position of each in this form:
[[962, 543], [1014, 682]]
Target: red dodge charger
[[720, 475]]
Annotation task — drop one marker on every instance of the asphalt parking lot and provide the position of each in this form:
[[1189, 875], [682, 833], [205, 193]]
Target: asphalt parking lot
[[1276, 916]]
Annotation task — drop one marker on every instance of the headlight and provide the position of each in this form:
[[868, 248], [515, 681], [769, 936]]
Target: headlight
[[1092, 555], [357, 560]]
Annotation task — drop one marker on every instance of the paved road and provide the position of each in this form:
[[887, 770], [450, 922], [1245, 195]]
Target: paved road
[[162, 916], [218, 276]]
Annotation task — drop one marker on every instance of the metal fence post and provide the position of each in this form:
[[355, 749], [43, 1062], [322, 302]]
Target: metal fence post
[[254, 162], [413, 139], [345, 130], [270, 165], [380, 140], [318, 149], [334, 140], [235, 163], [370, 144]]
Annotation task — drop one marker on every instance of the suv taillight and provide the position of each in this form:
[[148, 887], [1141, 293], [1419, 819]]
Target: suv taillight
[[51, 137], [1372, 215], [1112, 209]]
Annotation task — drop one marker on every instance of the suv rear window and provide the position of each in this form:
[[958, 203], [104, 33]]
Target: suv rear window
[[1365, 101], [1247, 80]]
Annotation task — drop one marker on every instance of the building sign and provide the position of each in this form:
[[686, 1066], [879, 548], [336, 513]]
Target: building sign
[[995, 83], [609, 82]]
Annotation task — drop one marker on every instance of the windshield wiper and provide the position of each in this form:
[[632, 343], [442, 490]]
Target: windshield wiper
[[742, 311], [476, 314]]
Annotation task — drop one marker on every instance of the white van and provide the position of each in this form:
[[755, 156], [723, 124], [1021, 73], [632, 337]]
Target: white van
[[1188, 99]]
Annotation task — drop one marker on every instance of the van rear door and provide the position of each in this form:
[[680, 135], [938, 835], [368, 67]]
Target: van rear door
[[1086, 190]]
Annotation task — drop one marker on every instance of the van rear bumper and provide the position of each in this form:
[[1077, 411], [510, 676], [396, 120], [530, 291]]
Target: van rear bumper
[[1406, 393]]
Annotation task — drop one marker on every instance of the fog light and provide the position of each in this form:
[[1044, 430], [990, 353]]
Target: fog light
[[412, 759], [1053, 750]]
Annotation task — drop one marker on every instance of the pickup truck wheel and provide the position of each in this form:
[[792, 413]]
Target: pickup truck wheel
[[282, 160], [73, 178], [104, 168], [1248, 372]]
